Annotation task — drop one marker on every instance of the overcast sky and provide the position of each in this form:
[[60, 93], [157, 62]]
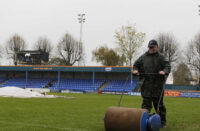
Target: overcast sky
[[53, 18]]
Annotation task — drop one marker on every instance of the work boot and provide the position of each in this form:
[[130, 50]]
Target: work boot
[[163, 125]]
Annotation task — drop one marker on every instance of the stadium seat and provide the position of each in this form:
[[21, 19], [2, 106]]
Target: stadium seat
[[118, 86], [31, 83], [78, 84]]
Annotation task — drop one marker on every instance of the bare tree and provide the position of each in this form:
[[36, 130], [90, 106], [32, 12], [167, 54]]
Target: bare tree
[[193, 53], [129, 41], [1, 51], [44, 45], [69, 50], [15, 44], [56, 61], [168, 46]]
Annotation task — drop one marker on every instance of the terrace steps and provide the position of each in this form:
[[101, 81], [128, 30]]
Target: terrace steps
[[103, 86]]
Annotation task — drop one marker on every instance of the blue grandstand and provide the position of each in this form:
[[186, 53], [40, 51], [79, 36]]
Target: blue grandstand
[[84, 79], [78, 84], [31, 83], [2, 79], [120, 86]]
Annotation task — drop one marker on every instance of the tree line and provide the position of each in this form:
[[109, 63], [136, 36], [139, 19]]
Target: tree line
[[68, 50], [129, 45]]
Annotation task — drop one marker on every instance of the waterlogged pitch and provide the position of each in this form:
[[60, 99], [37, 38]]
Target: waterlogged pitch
[[86, 112]]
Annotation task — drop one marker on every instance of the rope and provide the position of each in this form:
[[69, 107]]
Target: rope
[[161, 95], [124, 87]]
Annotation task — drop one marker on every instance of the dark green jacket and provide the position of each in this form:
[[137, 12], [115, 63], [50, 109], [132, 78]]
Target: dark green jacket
[[148, 66]]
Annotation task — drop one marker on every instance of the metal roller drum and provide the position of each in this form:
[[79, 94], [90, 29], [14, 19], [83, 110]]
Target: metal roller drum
[[126, 119]]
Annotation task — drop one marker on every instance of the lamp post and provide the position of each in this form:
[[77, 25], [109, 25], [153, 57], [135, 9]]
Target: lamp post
[[81, 20], [199, 9]]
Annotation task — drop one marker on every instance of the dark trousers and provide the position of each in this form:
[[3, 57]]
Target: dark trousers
[[147, 104]]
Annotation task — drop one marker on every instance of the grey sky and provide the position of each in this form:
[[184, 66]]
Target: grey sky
[[53, 18]]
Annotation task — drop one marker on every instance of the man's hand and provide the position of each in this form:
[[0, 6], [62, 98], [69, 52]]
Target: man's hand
[[135, 72], [161, 73]]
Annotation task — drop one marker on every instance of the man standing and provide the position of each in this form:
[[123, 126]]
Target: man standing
[[153, 69]]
